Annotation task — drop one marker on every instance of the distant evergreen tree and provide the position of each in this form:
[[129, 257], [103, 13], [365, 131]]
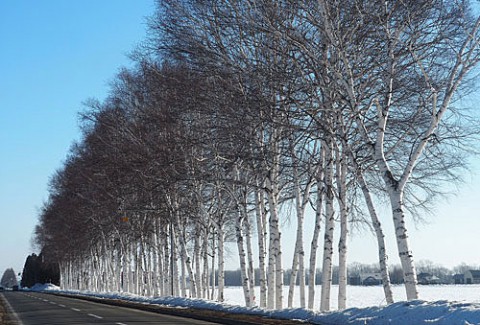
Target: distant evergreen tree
[[37, 270], [9, 279], [30, 271]]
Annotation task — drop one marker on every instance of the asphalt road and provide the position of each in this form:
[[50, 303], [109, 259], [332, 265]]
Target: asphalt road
[[41, 309]]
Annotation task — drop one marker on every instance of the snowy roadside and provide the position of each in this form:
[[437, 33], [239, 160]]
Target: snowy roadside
[[440, 312]]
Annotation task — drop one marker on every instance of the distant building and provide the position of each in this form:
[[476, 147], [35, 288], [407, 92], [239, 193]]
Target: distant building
[[355, 280], [427, 278], [366, 279], [371, 279], [459, 278], [472, 277]]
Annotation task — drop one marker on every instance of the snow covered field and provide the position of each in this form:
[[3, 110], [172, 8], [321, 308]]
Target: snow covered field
[[442, 305], [364, 296]]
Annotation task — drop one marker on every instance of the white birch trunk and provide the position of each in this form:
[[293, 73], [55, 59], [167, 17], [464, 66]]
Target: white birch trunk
[[261, 238], [61, 267], [342, 260], [298, 263], [118, 267], [275, 267], [112, 267], [146, 272], [142, 267], [167, 245], [242, 258], [125, 267], [250, 265], [93, 274], [382, 255], [68, 275], [342, 245], [406, 257], [221, 263], [154, 261], [329, 229], [271, 265], [212, 271], [161, 275], [293, 278], [395, 191], [183, 276], [206, 266], [188, 263], [175, 277], [138, 270], [131, 270], [298, 252], [197, 262], [275, 272], [301, 281], [316, 232]]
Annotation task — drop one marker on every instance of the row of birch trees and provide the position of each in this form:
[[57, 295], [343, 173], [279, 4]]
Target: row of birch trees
[[238, 111]]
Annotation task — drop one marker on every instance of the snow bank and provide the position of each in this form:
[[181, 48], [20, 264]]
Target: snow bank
[[441, 312], [413, 312], [44, 287]]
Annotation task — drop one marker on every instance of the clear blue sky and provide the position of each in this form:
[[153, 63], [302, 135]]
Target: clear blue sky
[[55, 54]]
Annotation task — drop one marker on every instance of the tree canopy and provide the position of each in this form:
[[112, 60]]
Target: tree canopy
[[236, 110], [9, 279]]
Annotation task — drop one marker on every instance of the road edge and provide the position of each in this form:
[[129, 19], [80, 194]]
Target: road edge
[[195, 313], [11, 316]]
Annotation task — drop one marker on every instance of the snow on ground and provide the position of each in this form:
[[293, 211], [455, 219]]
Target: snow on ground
[[443, 305], [367, 296]]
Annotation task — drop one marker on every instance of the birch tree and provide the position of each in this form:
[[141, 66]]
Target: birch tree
[[329, 227], [236, 108], [435, 100], [302, 199], [428, 49], [341, 180], [320, 199]]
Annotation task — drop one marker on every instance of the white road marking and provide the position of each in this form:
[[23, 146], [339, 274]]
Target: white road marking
[[53, 303], [63, 306], [12, 312], [45, 300], [120, 324], [75, 309], [96, 316]]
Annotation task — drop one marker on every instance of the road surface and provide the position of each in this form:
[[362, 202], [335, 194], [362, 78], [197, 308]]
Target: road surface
[[33, 308]]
